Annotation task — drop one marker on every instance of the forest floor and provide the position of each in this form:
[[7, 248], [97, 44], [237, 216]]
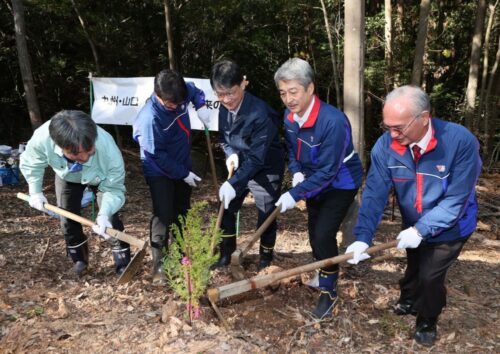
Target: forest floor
[[44, 308]]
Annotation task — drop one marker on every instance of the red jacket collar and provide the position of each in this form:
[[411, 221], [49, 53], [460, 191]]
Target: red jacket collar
[[401, 149], [311, 120]]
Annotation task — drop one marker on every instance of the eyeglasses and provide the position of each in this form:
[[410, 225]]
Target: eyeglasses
[[229, 93], [399, 130]]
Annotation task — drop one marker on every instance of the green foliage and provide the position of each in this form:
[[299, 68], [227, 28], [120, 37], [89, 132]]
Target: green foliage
[[188, 260]]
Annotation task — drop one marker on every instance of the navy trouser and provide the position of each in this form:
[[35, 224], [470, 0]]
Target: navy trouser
[[69, 197], [171, 198], [326, 211], [423, 281], [266, 190]]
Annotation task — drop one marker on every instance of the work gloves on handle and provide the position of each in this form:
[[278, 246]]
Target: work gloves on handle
[[358, 249], [232, 160], [409, 238], [286, 202], [298, 177], [191, 179], [204, 116], [101, 223], [226, 194], [37, 200]]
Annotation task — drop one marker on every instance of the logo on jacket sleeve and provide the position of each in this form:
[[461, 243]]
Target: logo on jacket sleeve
[[441, 168]]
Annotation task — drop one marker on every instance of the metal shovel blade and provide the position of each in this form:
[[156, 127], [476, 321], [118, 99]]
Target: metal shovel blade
[[132, 267]]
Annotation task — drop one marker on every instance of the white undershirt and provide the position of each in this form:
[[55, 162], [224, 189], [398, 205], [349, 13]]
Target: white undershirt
[[301, 120], [422, 144]]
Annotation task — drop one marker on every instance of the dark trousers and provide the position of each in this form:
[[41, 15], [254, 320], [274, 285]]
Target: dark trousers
[[266, 190], [325, 212], [423, 281], [171, 198], [69, 197]]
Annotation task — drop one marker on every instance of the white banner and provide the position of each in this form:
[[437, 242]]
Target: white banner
[[118, 100]]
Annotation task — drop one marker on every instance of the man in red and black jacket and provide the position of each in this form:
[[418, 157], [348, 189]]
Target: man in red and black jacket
[[326, 170], [248, 131]]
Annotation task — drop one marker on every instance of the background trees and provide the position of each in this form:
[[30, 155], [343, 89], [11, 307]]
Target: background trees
[[67, 39]]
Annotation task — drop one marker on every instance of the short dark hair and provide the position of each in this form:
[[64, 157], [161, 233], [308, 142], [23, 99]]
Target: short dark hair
[[226, 73], [170, 86], [72, 129]]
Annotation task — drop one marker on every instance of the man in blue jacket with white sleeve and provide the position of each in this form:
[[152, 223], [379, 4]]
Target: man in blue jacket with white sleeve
[[433, 167], [163, 130], [326, 169]]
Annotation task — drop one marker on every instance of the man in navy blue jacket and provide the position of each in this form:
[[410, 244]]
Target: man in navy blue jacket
[[433, 167], [163, 131], [248, 130], [326, 170]]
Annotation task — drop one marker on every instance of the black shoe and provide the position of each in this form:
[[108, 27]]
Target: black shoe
[[223, 261], [263, 263], [404, 308], [426, 332], [80, 268], [325, 306]]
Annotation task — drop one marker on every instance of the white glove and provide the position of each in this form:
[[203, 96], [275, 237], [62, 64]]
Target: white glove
[[102, 222], [37, 200], [409, 238], [191, 179], [286, 201], [358, 249], [204, 115], [226, 194], [232, 159], [298, 177]]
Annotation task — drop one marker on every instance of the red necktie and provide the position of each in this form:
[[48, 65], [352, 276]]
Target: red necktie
[[416, 153]]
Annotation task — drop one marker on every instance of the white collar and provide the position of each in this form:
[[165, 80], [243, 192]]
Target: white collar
[[305, 116], [422, 144]]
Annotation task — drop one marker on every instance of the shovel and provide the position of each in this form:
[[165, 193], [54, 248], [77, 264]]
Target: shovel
[[222, 292], [212, 161], [236, 258], [136, 261], [221, 211]]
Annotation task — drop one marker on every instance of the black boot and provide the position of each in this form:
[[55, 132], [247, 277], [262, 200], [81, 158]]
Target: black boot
[[227, 247], [404, 307], [80, 256], [266, 257], [121, 257], [426, 332], [328, 296], [159, 277]]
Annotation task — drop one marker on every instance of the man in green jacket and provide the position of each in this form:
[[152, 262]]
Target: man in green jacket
[[81, 155]]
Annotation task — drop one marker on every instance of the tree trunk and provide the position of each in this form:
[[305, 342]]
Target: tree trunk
[[388, 46], [353, 86], [89, 39], [332, 56], [354, 69], [492, 103], [25, 64], [418, 62], [475, 61], [484, 76], [170, 36]]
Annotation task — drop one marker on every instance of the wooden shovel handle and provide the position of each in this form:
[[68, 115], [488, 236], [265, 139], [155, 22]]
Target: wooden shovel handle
[[212, 162], [111, 232], [260, 231], [221, 210], [222, 292]]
